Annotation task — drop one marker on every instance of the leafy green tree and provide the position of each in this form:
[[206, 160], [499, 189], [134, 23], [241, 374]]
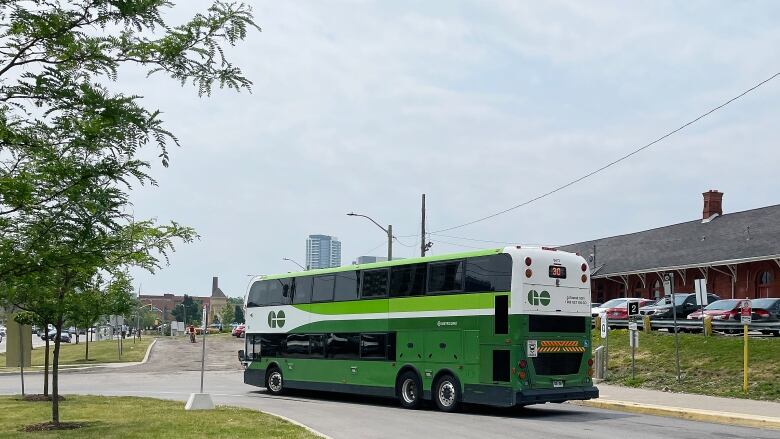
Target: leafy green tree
[[70, 149], [226, 315], [239, 313], [189, 308]]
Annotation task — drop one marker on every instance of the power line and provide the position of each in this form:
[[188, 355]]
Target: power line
[[612, 163], [455, 244], [474, 239]]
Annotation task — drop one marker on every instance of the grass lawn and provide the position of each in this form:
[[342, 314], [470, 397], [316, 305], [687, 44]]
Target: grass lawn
[[127, 417], [99, 352], [708, 365]]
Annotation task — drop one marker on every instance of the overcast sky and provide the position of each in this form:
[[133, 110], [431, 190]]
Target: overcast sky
[[364, 105]]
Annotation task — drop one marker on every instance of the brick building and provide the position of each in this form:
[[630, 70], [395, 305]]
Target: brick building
[[166, 302], [737, 253]]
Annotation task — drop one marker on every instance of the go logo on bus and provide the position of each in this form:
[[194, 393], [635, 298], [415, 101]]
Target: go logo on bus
[[276, 319], [536, 299]]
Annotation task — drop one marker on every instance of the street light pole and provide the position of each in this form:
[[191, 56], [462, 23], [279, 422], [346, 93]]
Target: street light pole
[[388, 230], [294, 262]]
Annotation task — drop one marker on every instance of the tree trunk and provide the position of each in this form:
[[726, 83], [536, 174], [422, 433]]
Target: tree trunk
[[86, 356], [55, 404], [46, 363]]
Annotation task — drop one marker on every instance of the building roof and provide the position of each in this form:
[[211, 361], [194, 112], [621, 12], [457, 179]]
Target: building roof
[[217, 293], [727, 239]]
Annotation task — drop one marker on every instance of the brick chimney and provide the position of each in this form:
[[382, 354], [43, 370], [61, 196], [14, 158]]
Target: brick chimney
[[214, 284], [713, 204]]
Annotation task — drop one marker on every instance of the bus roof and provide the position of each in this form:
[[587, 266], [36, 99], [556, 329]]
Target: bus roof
[[435, 258]]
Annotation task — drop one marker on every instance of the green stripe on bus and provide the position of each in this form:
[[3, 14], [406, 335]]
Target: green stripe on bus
[[403, 304]]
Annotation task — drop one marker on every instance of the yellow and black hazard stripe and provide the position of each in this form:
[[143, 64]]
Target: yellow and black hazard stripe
[[551, 346]]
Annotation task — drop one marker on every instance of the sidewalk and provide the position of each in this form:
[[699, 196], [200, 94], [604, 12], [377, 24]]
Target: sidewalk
[[745, 412]]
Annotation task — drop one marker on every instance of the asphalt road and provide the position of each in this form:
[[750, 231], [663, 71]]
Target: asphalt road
[[173, 373]]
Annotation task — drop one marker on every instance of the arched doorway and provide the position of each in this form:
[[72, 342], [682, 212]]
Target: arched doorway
[[764, 282], [655, 291]]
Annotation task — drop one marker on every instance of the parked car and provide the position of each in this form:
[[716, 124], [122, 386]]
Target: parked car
[[727, 309], [602, 308], [64, 336], [684, 305], [767, 310], [239, 331], [2, 331], [620, 312]]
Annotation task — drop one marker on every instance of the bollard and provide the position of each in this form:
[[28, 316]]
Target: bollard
[[707, 325], [599, 357], [646, 326], [597, 323]]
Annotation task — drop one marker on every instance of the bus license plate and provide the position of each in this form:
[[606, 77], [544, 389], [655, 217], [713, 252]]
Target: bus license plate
[[557, 383]]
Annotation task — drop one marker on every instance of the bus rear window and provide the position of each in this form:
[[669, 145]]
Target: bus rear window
[[537, 323]]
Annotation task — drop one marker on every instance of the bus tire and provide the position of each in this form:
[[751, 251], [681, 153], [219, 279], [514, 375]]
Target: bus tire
[[408, 387], [274, 381], [446, 393]]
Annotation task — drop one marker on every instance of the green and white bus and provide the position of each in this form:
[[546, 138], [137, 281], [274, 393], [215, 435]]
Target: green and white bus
[[503, 327]]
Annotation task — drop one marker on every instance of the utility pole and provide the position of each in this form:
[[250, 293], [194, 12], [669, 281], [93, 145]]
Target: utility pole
[[389, 242], [422, 228]]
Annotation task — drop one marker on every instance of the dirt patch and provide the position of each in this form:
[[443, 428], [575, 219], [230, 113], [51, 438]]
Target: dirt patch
[[39, 397], [50, 426]]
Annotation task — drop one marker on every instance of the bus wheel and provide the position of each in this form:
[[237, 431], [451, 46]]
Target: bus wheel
[[409, 390], [446, 393], [274, 382]]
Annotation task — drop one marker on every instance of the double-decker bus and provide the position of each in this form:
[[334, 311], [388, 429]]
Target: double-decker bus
[[503, 327]]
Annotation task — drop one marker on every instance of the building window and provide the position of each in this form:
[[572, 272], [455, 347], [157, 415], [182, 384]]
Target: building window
[[765, 278]]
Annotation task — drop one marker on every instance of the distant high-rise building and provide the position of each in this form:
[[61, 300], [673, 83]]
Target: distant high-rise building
[[323, 251], [369, 259]]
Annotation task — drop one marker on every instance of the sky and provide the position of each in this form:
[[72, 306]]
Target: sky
[[365, 105]]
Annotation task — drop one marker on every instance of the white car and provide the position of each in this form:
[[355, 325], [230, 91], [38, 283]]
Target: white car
[[601, 309]]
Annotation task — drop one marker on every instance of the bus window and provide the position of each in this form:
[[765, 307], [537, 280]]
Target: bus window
[[323, 288], [317, 346], [373, 346], [302, 289], [374, 284], [489, 273], [346, 286], [256, 293], [445, 277], [501, 365], [278, 293], [343, 346], [501, 319], [407, 280], [297, 345], [270, 344]]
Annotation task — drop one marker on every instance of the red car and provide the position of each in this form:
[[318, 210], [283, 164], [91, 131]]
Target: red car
[[727, 309], [239, 331], [620, 312]]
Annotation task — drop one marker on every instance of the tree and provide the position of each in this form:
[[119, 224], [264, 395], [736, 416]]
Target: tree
[[189, 308], [70, 150], [237, 304], [226, 315]]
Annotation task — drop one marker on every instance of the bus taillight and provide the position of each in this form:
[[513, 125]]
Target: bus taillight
[[528, 261], [522, 364], [584, 266]]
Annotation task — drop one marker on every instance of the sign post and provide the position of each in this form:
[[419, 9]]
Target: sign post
[[746, 306], [701, 299], [633, 311], [605, 337], [669, 292], [201, 401]]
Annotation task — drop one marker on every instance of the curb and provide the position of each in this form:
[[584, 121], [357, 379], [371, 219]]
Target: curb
[[148, 351], [686, 413], [78, 368], [294, 422]]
